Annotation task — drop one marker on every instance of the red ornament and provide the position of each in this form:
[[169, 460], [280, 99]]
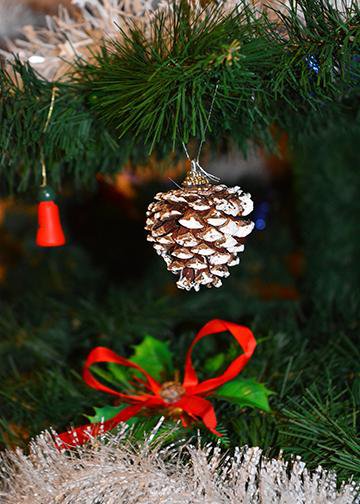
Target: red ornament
[[187, 398], [50, 233]]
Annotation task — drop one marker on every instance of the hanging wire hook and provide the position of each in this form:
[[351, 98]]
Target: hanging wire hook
[[194, 176], [214, 178], [207, 122], [186, 151], [47, 122]]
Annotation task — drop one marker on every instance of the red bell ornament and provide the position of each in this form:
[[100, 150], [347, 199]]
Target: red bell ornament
[[50, 232]]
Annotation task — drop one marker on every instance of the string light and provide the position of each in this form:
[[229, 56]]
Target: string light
[[261, 213]]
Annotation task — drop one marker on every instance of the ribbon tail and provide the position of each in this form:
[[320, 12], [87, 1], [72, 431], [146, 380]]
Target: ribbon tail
[[200, 408], [82, 434]]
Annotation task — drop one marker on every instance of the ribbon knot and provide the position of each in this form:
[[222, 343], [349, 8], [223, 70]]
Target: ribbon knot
[[187, 399], [172, 391]]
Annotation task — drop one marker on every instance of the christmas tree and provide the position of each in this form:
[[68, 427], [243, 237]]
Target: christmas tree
[[125, 115]]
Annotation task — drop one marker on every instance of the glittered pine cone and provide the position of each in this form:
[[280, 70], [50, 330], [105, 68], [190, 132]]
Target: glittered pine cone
[[199, 230]]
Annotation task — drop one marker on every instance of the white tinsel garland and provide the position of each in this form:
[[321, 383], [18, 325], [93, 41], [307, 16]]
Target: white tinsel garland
[[52, 49], [14, 15], [113, 470]]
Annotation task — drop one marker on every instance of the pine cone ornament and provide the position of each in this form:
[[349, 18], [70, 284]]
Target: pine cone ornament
[[199, 229]]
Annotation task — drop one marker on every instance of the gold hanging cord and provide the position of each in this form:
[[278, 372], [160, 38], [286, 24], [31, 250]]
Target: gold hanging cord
[[47, 122]]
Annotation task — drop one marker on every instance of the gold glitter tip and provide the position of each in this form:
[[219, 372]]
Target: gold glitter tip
[[194, 179]]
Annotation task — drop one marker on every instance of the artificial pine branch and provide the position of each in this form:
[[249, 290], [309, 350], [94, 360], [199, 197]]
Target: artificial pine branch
[[163, 85], [42, 353], [155, 90], [332, 418]]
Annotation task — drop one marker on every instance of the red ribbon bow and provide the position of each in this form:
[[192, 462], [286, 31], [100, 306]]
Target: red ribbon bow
[[190, 400]]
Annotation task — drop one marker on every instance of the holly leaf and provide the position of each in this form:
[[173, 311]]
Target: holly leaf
[[104, 413], [154, 356], [115, 375], [213, 364], [245, 393], [106, 374], [121, 374], [108, 412], [151, 354]]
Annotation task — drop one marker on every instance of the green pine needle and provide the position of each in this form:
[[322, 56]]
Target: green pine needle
[[154, 92]]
